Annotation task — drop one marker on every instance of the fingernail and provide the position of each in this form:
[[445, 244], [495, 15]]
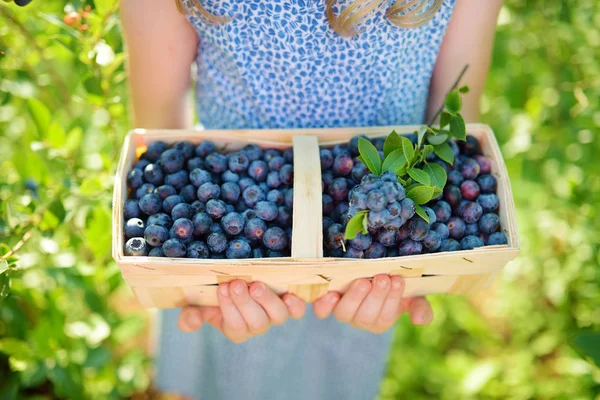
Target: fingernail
[[257, 290], [224, 290], [396, 283], [381, 283], [237, 288], [193, 319], [333, 298], [363, 287], [288, 301]]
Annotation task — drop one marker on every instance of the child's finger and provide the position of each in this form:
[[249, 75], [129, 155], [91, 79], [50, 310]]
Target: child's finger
[[369, 309], [234, 326], [324, 305], [389, 312], [255, 317], [420, 311], [190, 319], [270, 302], [295, 306], [351, 300]]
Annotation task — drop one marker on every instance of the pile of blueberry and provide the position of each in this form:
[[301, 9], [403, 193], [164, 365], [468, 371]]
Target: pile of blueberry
[[192, 201], [463, 217]]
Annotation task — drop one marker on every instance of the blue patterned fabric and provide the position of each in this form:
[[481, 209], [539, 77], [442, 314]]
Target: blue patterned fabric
[[278, 64]]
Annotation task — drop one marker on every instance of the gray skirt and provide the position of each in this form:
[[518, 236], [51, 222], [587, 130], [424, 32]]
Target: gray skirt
[[307, 359]]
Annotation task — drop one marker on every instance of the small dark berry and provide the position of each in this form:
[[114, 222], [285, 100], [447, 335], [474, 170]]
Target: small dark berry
[[194, 163], [497, 238], [377, 219], [135, 178], [409, 247], [469, 168], [432, 241], [326, 159], [131, 209], [284, 216], [230, 192], [488, 202], [216, 163], [387, 238], [418, 228], [340, 149], [338, 190], [456, 227], [288, 154], [198, 249], [238, 249], [276, 163], [351, 252], [452, 195], [470, 242], [156, 235], [202, 223], [182, 229], [154, 174], [455, 177], [289, 198], [171, 161], [407, 209], [253, 151], [275, 238], [134, 227], [273, 180], [156, 252], [182, 210], [217, 242], [361, 241], [370, 182], [188, 192], [489, 223], [178, 180], [376, 200], [154, 151], [233, 223], [150, 204], [286, 174], [165, 191], [136, 247], [144, 189], [487, 183], [238, 162], [469, 190], [208, 191], [170, 202], [174, 248], [471, 212], [471, 229], [199, 176], [229, 176], [215, 208], [450, 245], [342, 165], [161, 219], [252, 195], [485, 166], [198, 206], [205, 148]]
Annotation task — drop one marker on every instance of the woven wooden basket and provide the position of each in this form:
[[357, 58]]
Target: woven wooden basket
[[167, 283]]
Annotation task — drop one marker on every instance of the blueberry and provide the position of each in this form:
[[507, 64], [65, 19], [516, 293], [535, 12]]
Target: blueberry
[[276, 163], [188, 193], [229, 208], [288, 154], [217, 242], [418, 228], [326, 159], [358, 171], [194, 163], [257, 253], [342, 165], [165, 191], [135, 178], [255, 229], [326, 179], [353, 144], [487, 183], [471, 229], [407, 209], [338, 190], [454, 147], [340, 149], [186, 148], [403, 232], [182, 210], [134, 227], [431, 214], [485, 166], [131, 209], [286, 174], [441, 229], [252, 195], [154, 174], [215, 208], [238, 249], [263, 186], [205, 148], [458, 210], [270, 154], [144, 189], [253, 151], [452, 195], [276, 197], [136, 247], [328, 204], [389, 176], [233, 223], [497, 238], [249, 213], [489, 223], [394, 224], [178, 179], [216, 163], [377, 219], [351, 252], [216, 228], [171, 161], [409, 247], [245, 183], [273, 180], [266, 210], [337, 253], [141, 164], [275, 238], [370, 182], [387, 237], [450, 245], [376, 250], [150, 204], [156, 252], [488, 202], [469, 168], [182, 229], [230, 192], [238, 162], [390, 252], [339, 210], [156, 235], [357, 199], [229, 176], [170, 202], [199, 176], [198, 206], [443, 211], [361, 241], [469, 189], [456, 227], [284, 216], [334, 236], [197, 249], [432, 241], [258, 170], [455, 177], [327, 222], [391, 190], [174, 248], [471, 212], [154, 150], [471, 146], [161, 219], [208, 191], [470, 242], [289, 198], [202, 223]]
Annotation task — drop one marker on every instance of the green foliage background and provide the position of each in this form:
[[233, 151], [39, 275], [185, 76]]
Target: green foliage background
[[67, 327]]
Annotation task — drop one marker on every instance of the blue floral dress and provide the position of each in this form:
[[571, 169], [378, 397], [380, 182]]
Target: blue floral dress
[[278, 64]]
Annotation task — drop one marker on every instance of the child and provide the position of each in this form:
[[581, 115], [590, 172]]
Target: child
[[294, 64]]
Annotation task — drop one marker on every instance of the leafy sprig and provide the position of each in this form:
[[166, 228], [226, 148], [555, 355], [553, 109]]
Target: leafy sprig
[[423, 180]]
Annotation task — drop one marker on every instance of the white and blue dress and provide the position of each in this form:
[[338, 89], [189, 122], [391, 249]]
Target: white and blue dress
[[278, 64]]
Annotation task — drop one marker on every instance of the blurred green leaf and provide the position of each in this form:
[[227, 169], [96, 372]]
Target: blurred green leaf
[[40, 114], [588, 344]]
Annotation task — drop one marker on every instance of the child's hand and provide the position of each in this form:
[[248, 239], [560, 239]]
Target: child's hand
[[374, 306], [244, 311]]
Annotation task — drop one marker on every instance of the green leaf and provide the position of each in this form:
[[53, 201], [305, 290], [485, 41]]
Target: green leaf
[[464, 89], [587, 343], [458, 128], [3, 266], [15, 347], [421, 212], [40, 114], [445, 118], [444, 151], [93, 86], [437, 139], [355, 225], [104, 6], [49, 221], [57, 209], [91, 186], [370, 156], [74, 139], [437, 192], [420, 194], [402, 181], [359, 158], [56, 135], [421, 135], [419, 176], [453, 102], [394, 161], [392, 142], [408, 149], [437, 174]]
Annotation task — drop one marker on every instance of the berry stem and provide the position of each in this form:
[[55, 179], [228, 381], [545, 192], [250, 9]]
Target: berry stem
[[456, 82]]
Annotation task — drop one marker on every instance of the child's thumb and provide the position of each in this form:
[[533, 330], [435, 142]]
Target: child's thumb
[[190, 319]]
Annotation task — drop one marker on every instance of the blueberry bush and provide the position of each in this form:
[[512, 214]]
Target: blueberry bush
[[69, 327]]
